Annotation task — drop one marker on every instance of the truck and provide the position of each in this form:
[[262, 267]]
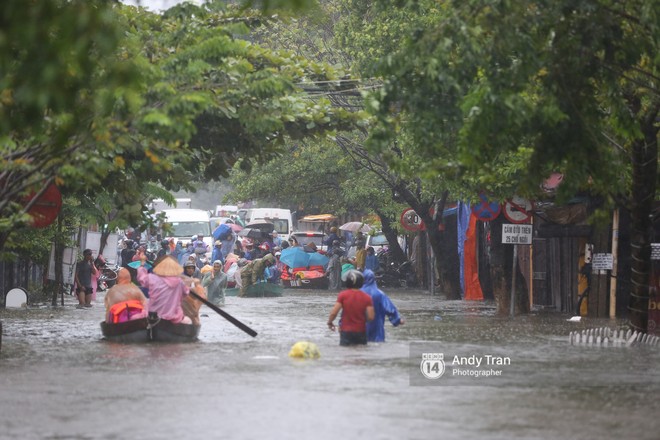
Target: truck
[[159, 205], [281, 219], [184, 223]]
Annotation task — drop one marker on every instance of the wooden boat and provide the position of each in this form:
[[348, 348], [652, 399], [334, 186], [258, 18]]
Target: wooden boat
[[148, 330], [303, 279], [259, 290], [307, 283]]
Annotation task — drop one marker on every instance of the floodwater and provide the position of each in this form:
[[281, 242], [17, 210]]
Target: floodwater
[[60, 380]]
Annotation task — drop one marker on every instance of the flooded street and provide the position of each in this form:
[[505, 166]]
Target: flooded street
[[60, 380]]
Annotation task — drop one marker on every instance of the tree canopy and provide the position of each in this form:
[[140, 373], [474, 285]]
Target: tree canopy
[[143, 98], [570, 85]]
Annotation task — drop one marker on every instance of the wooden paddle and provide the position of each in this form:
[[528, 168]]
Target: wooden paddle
[[225, 315]]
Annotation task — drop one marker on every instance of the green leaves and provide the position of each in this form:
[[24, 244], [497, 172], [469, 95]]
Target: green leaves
[[476, 82]]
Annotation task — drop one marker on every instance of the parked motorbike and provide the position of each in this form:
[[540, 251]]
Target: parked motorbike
[[108, 276], [393, 274]]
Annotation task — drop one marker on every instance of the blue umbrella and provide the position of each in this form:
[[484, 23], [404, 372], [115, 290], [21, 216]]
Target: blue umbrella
[[295, 257], [136, 264], [316, 259]]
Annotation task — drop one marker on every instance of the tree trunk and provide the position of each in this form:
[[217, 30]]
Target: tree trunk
[[392, 238], [446, 253], [644, 175], [58, 263], [105, 233]]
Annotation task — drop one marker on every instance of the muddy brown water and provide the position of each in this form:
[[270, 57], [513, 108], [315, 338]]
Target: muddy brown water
[[60, 380]]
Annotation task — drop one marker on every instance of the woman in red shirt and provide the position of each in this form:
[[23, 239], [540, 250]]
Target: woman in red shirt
[[356, 307]]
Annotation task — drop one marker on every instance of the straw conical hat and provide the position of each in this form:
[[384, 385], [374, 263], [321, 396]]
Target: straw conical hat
[[167, 266]]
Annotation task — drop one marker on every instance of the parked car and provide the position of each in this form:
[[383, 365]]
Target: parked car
[[311, 237], [376, 241]]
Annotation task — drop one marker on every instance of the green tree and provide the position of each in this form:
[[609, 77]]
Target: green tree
[[572, 85], [169, 99], [57, 65]]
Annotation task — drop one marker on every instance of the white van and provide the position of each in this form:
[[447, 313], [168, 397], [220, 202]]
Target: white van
[[184, 223], [280, 218]]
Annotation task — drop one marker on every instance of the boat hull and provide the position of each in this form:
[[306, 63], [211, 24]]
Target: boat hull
[[142, 330], [259, 290], [307, 283]]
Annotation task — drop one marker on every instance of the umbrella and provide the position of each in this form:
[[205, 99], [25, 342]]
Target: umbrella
[[295, 257], [355, 227], [136, 264], [316, 259]]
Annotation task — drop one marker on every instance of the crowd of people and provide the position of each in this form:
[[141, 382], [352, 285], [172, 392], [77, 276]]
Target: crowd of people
[[164, 287]]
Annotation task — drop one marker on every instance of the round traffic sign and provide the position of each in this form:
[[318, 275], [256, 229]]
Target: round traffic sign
[[518, 210], [45, 209], [486, 210], [411, 221]]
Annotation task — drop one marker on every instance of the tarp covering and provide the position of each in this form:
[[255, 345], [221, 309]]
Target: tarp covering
[[462, 224], [472, 286]]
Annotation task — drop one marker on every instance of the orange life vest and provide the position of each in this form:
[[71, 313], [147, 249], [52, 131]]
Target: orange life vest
[[122, 311]]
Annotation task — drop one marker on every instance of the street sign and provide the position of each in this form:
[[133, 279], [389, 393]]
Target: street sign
[[518, 210], [411, 221], [45, 209], [655, 251], [602, 262], [486, 210], [516, 234]]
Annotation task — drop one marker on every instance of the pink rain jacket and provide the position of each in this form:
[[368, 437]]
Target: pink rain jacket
[[165, 294]]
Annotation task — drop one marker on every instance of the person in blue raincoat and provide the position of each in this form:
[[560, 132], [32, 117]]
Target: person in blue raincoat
[[383, 307]]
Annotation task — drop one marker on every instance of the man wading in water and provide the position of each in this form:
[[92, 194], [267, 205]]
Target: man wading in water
[[357, 308]]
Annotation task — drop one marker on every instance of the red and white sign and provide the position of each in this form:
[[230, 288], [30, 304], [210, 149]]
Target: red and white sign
[[518, 210], [411, 221], [45, 209]]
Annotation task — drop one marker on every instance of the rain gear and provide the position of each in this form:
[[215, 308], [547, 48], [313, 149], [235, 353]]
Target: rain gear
[[165, 294], [228, 246], [215, 284], [217, 252], [383, 307], [254, 270], [334, 272]]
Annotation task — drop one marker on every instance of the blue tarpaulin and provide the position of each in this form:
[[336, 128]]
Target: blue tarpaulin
[[462, 223]]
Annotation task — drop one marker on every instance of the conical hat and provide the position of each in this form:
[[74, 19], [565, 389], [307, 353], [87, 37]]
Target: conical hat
[[167, 266]]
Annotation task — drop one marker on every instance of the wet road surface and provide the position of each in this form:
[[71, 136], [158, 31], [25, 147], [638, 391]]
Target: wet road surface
[[60, 380]]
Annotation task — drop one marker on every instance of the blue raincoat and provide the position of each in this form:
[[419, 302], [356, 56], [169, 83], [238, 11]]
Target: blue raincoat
[[382, 306]]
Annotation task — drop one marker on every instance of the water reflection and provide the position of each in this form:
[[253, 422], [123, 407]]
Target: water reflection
[[55, 368]]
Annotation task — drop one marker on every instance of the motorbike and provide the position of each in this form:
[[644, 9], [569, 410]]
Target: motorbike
[[393, 274], [108, 276]]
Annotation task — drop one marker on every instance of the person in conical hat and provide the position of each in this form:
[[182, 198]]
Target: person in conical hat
[[166, 288]]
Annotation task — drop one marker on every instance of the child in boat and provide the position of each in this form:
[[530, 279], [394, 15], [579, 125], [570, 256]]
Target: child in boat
[[166, 288]]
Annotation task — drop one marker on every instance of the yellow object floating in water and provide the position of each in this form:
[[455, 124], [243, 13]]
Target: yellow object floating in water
[[305, 350]]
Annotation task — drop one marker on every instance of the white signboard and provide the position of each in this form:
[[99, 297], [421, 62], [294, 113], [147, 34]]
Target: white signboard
[[655, 251], [602, 262], [516, 234], [93, 242], [69, 260]]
